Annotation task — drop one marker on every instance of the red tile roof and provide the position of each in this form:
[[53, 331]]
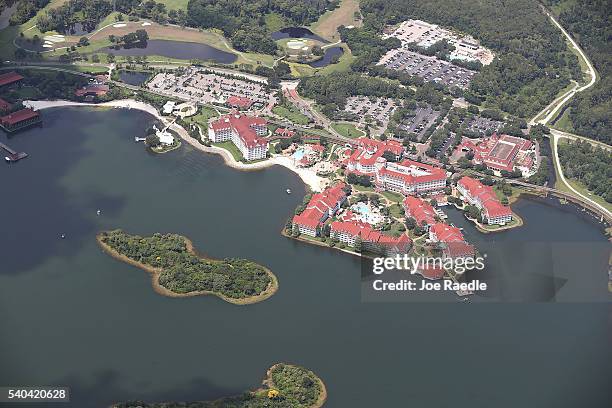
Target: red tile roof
[[446, 233], [9, 78], [420, 210], [486, 195], [239, 102], [320, 205], [19, 116], [367, 234], [243, 125]]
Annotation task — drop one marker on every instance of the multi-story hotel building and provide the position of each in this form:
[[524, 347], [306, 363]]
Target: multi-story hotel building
[[371, 240], [410, 177], [422, 212], [320, 207], [244, 131], [475, 193], [452, 242]]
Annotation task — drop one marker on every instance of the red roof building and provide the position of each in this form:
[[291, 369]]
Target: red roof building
[[244, 131], [423, 213], [410, 177], [484, 197], [20, 119], [503, 153], [285, 133], [10, 78], [239, 102], [372, 240], [92, 90], [452, 241], [320, 207]]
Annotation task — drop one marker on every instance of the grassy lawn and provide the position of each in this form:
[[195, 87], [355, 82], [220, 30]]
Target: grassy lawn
[[275, 22], [201, 118], [347, 130], [564, 123], [230, 147], [396, 211], [291, 113], [326, 26], [363, 189], [391, 196], [174, 4]]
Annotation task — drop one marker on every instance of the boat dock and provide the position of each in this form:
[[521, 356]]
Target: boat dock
[[13, 156]]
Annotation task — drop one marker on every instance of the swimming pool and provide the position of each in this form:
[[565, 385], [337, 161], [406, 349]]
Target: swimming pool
[[299, 153], [362, 208]]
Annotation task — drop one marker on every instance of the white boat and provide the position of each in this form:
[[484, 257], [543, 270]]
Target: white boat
[[98, 212], [288, 191]]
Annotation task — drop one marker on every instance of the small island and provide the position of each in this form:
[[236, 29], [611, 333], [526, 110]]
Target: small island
[[178, 271], [285, 385]]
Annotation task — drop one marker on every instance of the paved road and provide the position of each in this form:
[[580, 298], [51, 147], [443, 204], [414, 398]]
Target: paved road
[[552, 109]]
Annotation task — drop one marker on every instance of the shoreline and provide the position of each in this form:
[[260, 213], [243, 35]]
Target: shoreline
[[161, 290], [308, 177], [267, 382]]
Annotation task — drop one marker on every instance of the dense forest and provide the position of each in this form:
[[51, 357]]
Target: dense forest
[[532, 64], [295, 387], [589, 165], [26, 9], [331, 91], [244, 22], [590, 23], [184, 272]]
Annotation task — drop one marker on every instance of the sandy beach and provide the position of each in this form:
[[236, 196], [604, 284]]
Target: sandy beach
[[308, 176]]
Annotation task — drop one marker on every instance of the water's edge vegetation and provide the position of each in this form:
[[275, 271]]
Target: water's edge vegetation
[[178, 271], [285, 385]]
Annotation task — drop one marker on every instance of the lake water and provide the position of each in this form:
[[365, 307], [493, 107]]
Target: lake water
[[328, 57], [296, 32], [71, 315], [134, 77], [178, 49]]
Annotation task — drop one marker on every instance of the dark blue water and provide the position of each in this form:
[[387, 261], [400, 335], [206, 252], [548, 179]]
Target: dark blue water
[[328, 57], [134, 77], [71, 315], [296, 32], [179, 50]]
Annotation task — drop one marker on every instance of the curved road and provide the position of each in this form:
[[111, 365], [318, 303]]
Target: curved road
[[551, 110]]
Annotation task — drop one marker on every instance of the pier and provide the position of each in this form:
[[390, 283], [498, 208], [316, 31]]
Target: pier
[[13, 156]]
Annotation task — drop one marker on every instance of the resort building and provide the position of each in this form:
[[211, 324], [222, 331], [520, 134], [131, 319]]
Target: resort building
[[504, 153], [371, 240], [10, 78], [92, 90], [239, 102], [451, 240], [320, 207], [244, 131], [369, 152], [410, 177], [19, 120], [422, 212], [484, 198]]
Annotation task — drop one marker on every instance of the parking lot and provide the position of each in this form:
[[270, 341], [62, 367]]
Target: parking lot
[[431, 69], [423, 118], [207, 87], [483, 126], [377, 110]]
